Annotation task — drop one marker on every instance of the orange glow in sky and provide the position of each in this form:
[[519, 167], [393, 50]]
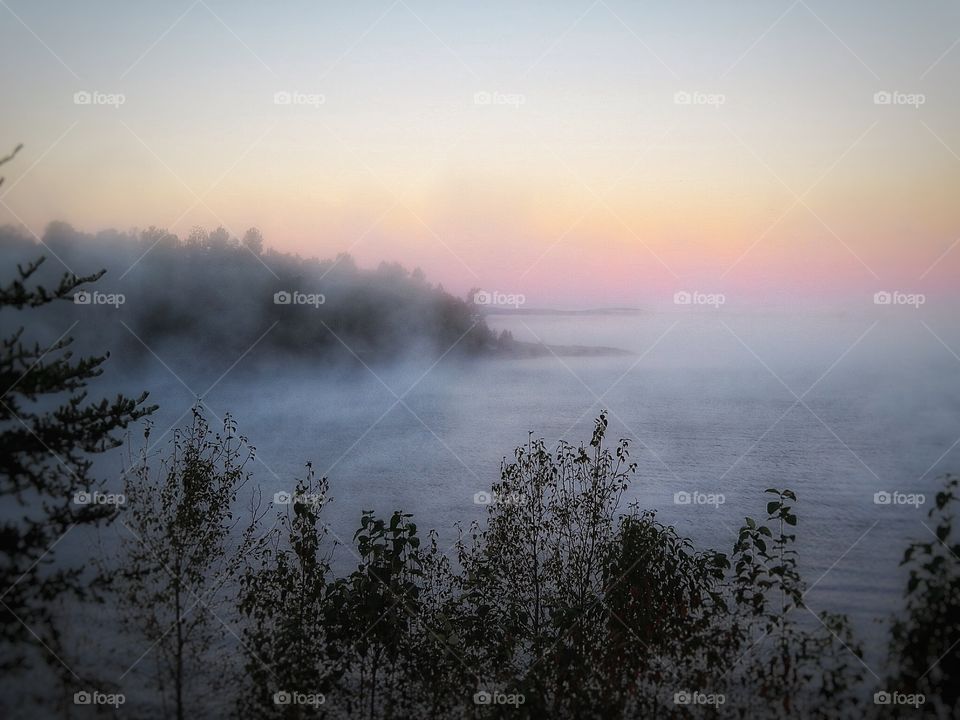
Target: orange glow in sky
[[582, 155]]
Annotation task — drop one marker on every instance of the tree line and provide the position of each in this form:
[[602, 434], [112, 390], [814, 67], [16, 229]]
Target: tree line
[[218, 295]]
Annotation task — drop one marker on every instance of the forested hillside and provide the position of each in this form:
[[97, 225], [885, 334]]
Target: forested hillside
[[213, 292]]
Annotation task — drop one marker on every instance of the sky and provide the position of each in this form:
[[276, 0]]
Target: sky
[[581, 153]]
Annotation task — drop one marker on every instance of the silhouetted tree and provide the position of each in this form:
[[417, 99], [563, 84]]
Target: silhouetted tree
[[253, 241], [926, 638], [186, 550], [292, 652], [49, 435], [219, 239], [197, 238]]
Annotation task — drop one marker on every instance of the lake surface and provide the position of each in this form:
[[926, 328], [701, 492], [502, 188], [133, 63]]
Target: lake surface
[[834, 406]]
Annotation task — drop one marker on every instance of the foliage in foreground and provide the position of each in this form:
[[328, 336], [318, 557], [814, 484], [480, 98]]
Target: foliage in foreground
[[50, 431], [562, 604], [182, 551]]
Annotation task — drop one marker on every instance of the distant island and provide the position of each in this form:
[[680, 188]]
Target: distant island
[[211, 291], [506, 310], [520, 349]]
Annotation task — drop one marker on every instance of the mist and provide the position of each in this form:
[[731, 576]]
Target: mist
[[487, 361]]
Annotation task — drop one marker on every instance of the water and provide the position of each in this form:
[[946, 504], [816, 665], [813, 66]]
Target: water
[[835, 406]]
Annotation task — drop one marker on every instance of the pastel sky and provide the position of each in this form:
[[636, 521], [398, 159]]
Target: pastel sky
[[544, 148]]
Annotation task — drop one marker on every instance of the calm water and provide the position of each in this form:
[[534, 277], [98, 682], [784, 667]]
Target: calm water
[[706, 403]]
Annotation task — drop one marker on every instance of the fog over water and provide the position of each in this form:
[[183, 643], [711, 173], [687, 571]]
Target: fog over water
[[837, 406], [480, 360], [407, 397], [838, 401]]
